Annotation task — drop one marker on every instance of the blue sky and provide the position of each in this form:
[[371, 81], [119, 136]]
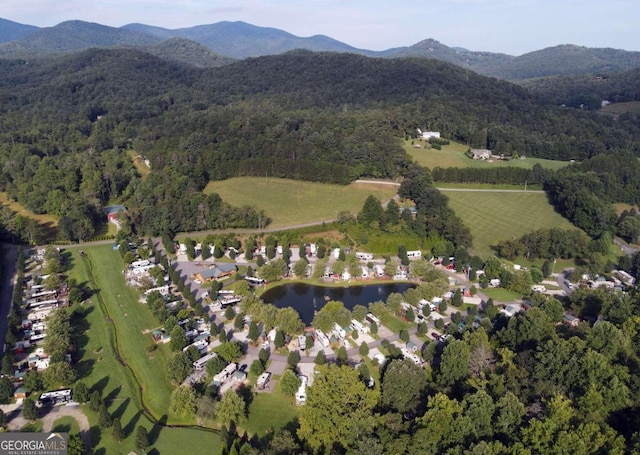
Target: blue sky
[[510, 26]]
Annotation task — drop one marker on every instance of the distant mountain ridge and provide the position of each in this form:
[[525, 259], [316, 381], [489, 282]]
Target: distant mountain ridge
[[226, 41]]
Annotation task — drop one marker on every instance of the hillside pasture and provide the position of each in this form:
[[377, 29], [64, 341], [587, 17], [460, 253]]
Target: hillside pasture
[[48, 222], [292, 202], [616, 109], [453, 155], [495, 216]]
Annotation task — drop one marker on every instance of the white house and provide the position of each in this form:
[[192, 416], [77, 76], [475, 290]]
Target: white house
[[426, 135]]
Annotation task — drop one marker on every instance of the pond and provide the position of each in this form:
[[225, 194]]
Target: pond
[[306, 299]]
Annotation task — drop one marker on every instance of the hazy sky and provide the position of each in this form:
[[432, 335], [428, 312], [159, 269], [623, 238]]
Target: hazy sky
[[510, 26]]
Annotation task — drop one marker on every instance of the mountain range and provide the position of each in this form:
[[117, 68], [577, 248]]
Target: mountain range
[[220, 43]]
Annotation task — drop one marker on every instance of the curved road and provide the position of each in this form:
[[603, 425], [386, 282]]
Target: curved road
[[71, 410]]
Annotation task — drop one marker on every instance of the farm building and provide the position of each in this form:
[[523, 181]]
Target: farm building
[[113, 211]]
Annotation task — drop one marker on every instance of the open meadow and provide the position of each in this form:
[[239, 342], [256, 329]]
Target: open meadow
[[48, 222], [495, 216], [292, 202], [453, 155], [114, 325]]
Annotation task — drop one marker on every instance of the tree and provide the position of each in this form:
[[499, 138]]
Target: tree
[[279, 339], [30, 411], [509, 413], [454, 365], [321, 358], [300, 268], [59, 374], [289, 382], [33, 382], [338, 407], [80, 392], [238, 322], [373, 327], [178, 339], [364, 349], [293, 359], [254, 333], [179, 366], [456, 300], [359, 312], [95, 401], [409, 315], [404, 335], [3, 419], [142, 438], [75, 446], [403, 386], [342, 357], [117, 432], [183, 400], [229, 351], [372, 213], [229, 313], [231, 408], [257, 367], [104, 418], [6, 389], [263, 355], [215, 366]]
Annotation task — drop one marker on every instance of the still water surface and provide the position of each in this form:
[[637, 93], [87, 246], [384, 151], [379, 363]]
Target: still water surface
[[307, 298]]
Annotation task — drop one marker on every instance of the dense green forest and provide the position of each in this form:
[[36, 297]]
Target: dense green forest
[[67, 122]]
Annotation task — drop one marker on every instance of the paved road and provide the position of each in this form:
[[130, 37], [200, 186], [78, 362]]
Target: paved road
[[625, 247], [487, 190]]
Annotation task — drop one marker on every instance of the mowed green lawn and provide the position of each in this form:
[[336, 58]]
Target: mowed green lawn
[[453, 155], [291, 202], [270, 411], [99, 369], [495, 216]]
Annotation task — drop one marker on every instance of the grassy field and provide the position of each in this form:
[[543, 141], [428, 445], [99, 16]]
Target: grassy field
[[122, 315], [49, 222], [453, 155], [502, 295], [501, 216], [292, 202], [140, 166], [66, 425], [621, 108], [270, 411]]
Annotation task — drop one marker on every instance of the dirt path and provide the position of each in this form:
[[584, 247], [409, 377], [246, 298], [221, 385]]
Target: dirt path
[[72, 410]]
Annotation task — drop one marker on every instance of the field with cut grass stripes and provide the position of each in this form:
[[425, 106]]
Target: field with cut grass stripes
[[494, 216], [292, 202], [115, 326]]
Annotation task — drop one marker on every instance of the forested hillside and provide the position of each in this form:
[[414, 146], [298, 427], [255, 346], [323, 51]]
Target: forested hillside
[[67, 121]]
